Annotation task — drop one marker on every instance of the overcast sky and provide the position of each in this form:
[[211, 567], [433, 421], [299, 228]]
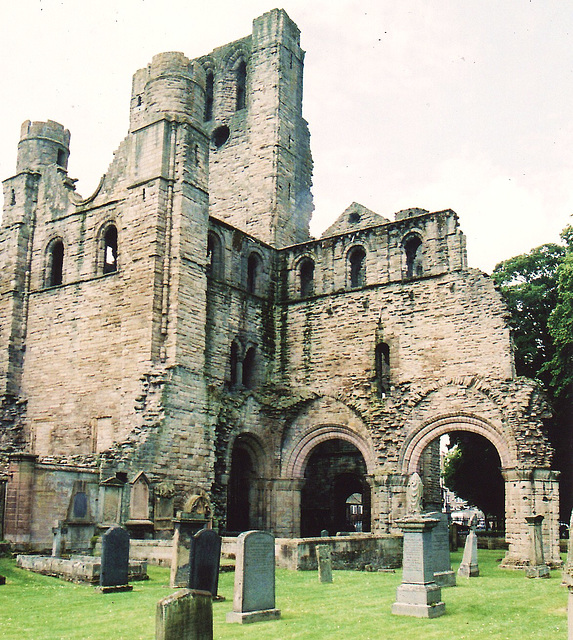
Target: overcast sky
[[461, 104]]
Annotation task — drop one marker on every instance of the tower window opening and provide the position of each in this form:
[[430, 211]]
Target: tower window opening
[[56, 264], [214, 256], [220, 136], [382, 356], [13, 197], [110, 249], [61, 161], [306, 275], [253, 273], [209, 93], [249, 363], [413, 252], [241, 86], [234, 363], [357, 260]]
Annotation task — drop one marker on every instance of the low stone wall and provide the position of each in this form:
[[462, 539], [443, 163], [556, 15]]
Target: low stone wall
[[356, 551], [77, 568], [156, 552]]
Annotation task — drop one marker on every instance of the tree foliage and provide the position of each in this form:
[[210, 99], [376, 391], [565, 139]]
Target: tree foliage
[[472, 472]]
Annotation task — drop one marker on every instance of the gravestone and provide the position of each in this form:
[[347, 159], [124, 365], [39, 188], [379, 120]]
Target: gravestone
[[469, 566], [418, 595], [537, 567], [2, 580], [443, 573], [254, 596], [185, 615], [114, 560], [196, 515], [324, 533], [60, 532], [204, 558], [324, 560]]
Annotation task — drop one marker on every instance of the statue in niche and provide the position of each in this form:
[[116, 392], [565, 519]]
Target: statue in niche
[[414, 495]]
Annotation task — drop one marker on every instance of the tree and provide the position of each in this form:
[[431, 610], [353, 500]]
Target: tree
[[472, 472]]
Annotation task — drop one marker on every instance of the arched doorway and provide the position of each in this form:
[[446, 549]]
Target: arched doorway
[[243, 499], [335, 470]]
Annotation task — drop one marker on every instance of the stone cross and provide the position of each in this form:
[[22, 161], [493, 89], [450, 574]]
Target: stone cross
[[254, 596], [115, 560], [418, 595], [537, 567], [469, 566], [185, 615], [324, 560], [204, 558], [414, 495]]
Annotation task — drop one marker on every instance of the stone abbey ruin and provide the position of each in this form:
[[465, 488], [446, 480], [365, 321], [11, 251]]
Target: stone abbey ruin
[[179, 331]]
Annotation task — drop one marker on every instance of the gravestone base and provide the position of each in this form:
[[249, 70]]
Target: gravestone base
[[445, 578], [419, 601], [539, 571], [253, 616], [115, 588], [468, 570]]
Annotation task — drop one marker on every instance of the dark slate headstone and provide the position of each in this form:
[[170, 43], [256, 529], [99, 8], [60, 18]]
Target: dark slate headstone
[[115, 560], [204, 557], [254, 597]]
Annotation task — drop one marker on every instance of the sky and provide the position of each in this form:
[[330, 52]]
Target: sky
[[437, 104]]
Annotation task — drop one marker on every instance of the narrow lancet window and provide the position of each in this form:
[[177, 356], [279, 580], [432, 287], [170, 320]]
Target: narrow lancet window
[[357, 265], [249, 368], [209, 93], [241, 85], [383, 368], [55, 264], [110, 249], [306, 275], [214, 256], [253, 273], [234, 363], [413, 251]]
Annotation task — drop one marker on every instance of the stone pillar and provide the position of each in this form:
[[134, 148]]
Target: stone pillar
[[418, 595], [537, 567], [469, 566], [285, 512], [388, 493], [527, 492], [324, 561], [19, 497]]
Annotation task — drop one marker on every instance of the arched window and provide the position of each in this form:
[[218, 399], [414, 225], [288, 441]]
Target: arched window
[[234, 378], [110, 249], [249, 365], [382, 356], [209, 93], [214, 256], [413, 254], [55, 263], [253, 273], [306, 275], [241, 86], [357, 267]]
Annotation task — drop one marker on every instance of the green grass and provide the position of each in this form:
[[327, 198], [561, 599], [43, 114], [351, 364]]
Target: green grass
[[499, 605]]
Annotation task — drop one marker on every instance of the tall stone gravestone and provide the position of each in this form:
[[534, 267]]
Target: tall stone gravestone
[[443, 573], [418, 595], [469, 566], [537, 567], [60, 531], [324, 561], [185, 615], [254, 596], [204, 558], [115, 560], [196, 515]]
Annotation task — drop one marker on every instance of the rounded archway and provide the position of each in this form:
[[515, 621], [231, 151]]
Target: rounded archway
[[334, 471]]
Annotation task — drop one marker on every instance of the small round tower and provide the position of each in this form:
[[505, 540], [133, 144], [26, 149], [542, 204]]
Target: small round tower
[[170, 84], [43, 144]]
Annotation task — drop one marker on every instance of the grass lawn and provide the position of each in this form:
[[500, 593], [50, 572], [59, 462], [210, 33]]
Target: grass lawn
[[499, 605]]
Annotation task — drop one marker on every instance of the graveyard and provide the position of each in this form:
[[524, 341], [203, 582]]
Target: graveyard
[[500, 605]]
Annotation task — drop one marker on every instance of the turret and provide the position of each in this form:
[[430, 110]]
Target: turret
[[170, 84], [42, 144]]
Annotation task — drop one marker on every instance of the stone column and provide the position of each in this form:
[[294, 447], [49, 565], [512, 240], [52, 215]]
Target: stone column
[[527, 492], [418, 595], [537, 567], [285, 512]]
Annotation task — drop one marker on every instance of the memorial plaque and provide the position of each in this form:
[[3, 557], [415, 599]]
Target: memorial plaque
[[254, 597], [204, 558], [115, 560]]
